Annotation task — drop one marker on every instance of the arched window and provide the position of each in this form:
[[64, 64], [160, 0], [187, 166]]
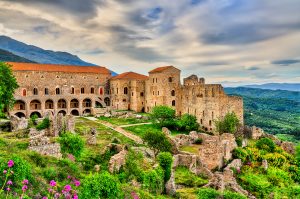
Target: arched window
[[35, 91], [62, 103], [142, 94], [170, 79], [107, 101], [173, 93], [46, 91], [57, 91], [82, 90], [24, 93], [92, 90], [173, 103], [125, 90], [72, 90], [101, 91]]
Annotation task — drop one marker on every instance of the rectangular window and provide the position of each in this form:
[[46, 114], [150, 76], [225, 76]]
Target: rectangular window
[[82, 90]]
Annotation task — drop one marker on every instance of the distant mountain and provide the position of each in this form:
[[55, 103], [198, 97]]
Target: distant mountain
[[40, 55], [277, 86], [10, 57]]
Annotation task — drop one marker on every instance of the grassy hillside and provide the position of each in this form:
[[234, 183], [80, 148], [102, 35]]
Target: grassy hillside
[[276, 111]]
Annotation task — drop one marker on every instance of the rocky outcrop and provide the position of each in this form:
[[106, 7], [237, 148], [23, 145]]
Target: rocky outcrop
[[288, 147], [117, 161], [253, 132], [92, 139], [18, 123], [173, 142], [40, 143]]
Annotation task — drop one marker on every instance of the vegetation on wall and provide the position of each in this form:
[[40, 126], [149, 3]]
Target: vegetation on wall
[[229, 124]]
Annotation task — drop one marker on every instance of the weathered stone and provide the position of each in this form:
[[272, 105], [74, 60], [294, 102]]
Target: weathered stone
[[97, 167], [18, 123], [107, 114], [170, 185], [114, 147], [117, 161], [92, 139], [288, 147], [148, 153], [166, 131], [264, 164], [138, 116]]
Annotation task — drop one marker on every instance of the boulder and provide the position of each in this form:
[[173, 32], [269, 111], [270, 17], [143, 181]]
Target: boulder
[[288, 147], [107, 114], [117, 161]]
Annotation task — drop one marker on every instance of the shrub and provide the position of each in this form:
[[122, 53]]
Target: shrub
[[44, 124], [153, 181], [163, 116], [33, 120], [240, 153], [38, 159], [198, 141], [100, 185], [275, 159], [157, 141], [257, 184], [278, 177], [229, 124], [208, 193], [165, 160], [183, 176], [50, 173], [188, 122], [233, 195], [132, 168], [239, 141], [266, 144], [71, 143]]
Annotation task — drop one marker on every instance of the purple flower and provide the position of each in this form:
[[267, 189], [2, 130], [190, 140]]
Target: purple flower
[[9, 182], [134, 195], [68, 188], [25, 181], [69, 177], [4, 172], [75, 197], [45, 197], [24, 188], [57, 195], [10, 163], [77, 183], [52, 183], [8, 189]]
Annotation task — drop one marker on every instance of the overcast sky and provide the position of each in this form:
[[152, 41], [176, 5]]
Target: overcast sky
[[232, 42]]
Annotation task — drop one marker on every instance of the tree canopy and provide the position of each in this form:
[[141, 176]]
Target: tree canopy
[[163, 116], [157, 141], [8, 84], [229, 124]]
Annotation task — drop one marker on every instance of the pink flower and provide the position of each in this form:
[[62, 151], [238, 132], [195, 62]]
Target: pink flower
[[77, 183], [9, 182], [24, 188], [8, 189], [57, 195], [45, 197], [52, 183], [10, 163], [134, 195], [4, 172], [69, 177], [68, 188], [75, 197], [25, 181]]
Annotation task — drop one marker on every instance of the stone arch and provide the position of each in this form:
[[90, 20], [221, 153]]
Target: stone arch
[[99, 105], [75, 112], [107, 101], [62, 112], [49, 104], [35, 105], [173, 92], [36, 113], [74, 103], [173, 103], [20, 114], [62, 104], [87, 112], [87, 103], [19, 105]]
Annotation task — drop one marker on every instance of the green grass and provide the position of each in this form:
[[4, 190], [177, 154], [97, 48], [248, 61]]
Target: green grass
[[191, 148], [287, 137], [183, 176], [122, 121]]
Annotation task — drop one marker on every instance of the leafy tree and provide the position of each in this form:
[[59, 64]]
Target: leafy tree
[[163, 116], [266, 144], [229, 124], [153, 181], [165, 160], [44, 124], [188, 122], [71, 143], [157, 141], [8, 84]]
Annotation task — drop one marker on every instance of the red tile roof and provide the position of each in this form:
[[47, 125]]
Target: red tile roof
[[160, 69], [130, 75], [16, 66]]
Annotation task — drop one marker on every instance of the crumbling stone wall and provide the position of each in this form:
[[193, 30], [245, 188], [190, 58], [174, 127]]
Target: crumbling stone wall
[[18, 123]]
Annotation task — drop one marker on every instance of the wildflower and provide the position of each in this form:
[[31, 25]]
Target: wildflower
[[134, 195], [69, 177], [9, 182], [10, 163], [45, 197], [68, 188], [75, 197], [8, 189], [24, 188], [52, 183], [77, 183], [4, 172], [56, 195], [25, 181]]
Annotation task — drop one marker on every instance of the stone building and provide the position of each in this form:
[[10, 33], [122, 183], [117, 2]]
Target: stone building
[[74, 90], [79, 90]]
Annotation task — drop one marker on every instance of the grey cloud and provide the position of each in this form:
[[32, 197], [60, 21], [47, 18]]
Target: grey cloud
[[286, 62], [252, 68]]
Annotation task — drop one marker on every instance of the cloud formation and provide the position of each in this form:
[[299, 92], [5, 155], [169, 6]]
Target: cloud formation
[[237, 41]]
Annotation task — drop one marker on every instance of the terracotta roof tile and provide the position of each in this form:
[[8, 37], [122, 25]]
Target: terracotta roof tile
[[160, 69], [130, 75], [16, 66]]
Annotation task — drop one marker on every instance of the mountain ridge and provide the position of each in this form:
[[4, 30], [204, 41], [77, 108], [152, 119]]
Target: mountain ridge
[[276, 86]]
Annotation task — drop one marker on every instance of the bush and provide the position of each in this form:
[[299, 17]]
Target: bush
[[157, 141], [38, 159], [50, 173], [208, 193], [240, 153], [100, 185], [165, 160], [71, 143], [239, 141], [153, 181], [229, 124], [163, 116], [233, 195], [183, 176], [132, 168], [188, 122], [44, 124], [33, 120], [266, 144]]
